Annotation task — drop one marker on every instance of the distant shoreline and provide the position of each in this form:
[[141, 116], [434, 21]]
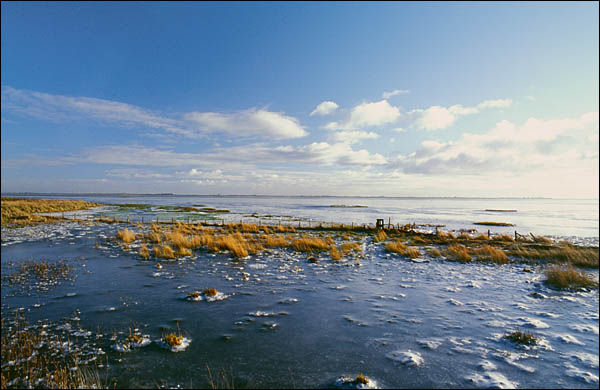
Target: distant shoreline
[[125, 194]]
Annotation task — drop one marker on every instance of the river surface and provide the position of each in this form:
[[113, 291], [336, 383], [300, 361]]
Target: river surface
[[286, 322]]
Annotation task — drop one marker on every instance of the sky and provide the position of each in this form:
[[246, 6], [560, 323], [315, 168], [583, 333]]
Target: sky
[[469, 99]]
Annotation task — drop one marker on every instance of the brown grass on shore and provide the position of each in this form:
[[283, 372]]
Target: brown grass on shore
[[435, 252], [335, 253], [234, 243], [458, 252], [18, 212], [562, 278], [489, 253], [398, 247], [563, 253]]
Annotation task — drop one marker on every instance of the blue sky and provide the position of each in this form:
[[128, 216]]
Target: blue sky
[[395, 99]]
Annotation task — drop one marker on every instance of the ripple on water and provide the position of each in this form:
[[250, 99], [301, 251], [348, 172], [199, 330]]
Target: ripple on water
[[580, 374], [569, 339]]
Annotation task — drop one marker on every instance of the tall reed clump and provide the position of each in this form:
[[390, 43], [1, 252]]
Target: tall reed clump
[[397, 246], [562, 278], [126, 235], [309, 244], [164, 251], [144, 252], [379, 236], [458, 252], [274, 241], [335, 253], [489, 253], [234, 243]]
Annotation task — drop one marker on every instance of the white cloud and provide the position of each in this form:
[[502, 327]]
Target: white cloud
[[325, 108], [495, 103], [387, 95], [367, 114], [245, 123], [534, 146], [353, 136], [438, 117]]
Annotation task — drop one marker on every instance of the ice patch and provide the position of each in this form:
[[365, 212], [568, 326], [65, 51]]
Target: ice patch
[[348, 382], [534, 323], [567, 338], [408, 358], [585, 376], [430, 343], [590, 360], [455, 302], [585, 328], [486, 365], [491, 379]]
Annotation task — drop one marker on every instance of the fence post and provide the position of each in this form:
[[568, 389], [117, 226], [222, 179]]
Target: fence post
[[389, 222], [489, 236], [515, 235]]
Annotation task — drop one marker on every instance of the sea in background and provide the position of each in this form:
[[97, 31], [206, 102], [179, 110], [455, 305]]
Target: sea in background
[[576, 220], [286, 322]]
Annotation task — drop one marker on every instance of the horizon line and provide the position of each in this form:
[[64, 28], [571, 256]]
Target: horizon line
[[275, 196]]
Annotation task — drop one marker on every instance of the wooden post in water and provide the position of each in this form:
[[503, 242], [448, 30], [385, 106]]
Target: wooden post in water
[[515, 235], [128, 219], [489, 236], [389, 222]]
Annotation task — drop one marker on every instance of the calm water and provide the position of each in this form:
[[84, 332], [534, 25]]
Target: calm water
[[298, 324]]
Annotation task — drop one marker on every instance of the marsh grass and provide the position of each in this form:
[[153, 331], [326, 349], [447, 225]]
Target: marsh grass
[[126, 235], [335, 253], [40, 275], [564, 278], [458, 252], [309, 244], [562, 253], [522, 338], [489, 253], [33, 366], [435, 252], [144, 252], [164, 251], [211, 292], [17, 212], [379, 236]]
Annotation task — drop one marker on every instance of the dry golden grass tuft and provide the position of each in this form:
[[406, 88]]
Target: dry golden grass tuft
[[274, 241], [126, 235], [481, 237], [457, 252], [144, 252], [347, 247], [183, 252], [172, 339], [164, 251], [154, 237], [562, 278], [413, 253], [178, 239], [379, 236], [335, 253], [435, 252], [418, 240], [234, 243], [489, 253], [211, 292], [309, 244], [395, 246]]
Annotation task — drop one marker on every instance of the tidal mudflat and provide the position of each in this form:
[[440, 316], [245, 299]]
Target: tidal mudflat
[[243, 305]]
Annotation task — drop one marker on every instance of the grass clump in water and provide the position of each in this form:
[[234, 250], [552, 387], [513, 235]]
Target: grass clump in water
[[144, 252], [523, 338], [379, 236], [164, 251], [435, 252], [126, 235], [458, 252], [172, 339], [211, 292], [563, 278], [309, 244], [335, 253]]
